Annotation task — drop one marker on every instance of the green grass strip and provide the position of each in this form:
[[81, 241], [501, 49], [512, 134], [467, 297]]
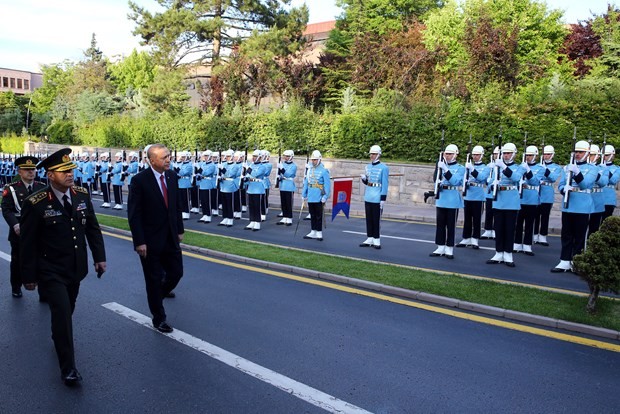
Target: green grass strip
[[519, 298]]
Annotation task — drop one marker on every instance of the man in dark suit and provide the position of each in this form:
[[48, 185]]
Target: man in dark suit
[[13, 197], [155, 220], [56, 222]]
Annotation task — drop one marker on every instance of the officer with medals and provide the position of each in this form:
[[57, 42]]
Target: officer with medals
[[56, 223], [316, 191], [613, 174], [576, 213], [506, 207], [13, 197], [255, 188], [552, 172], [474, 198], [229, 173], [530, 200], [286, 176], [448, 202], [597, 190], [375, 178]]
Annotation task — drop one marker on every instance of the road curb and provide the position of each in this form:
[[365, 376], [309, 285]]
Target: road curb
[[405, 293]]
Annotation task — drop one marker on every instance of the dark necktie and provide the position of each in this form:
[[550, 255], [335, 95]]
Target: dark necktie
[[164, 189], [30, 189], [67, 204]]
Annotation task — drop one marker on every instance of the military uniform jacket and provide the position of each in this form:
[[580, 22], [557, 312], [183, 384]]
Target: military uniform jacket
[[450, 187], [531, 185], [266, 180], [613, 172], [11, 211], [229, 182], [206, 175], [255, 175], [377, 175], [53, 242], [477, 182], [580, 197], [508, 191], [132, 169], [597, 190], [317, 185], [552, 172], [185, 171], [116, 176], [287, 177]]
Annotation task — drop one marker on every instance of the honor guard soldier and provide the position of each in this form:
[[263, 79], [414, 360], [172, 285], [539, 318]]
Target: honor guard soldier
[[13, 197], [489, 233], [215, 194], [474, 198], [77, 173], [238, 158], [578, 180], [286, 177], [552, 172], [117, 178], [184, 172], [229, 173], [104, 178], [613, 174], [205, 179], [506, 206], [316, 191], [133, 167], [94, 160], [88, 172], [255, 189], [56, 223], [267, 183], [530, 200], [597, 190], [375, 178], [449, 200]]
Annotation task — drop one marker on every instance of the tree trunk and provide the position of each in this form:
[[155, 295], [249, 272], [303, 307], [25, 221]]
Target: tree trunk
[[594, 291]]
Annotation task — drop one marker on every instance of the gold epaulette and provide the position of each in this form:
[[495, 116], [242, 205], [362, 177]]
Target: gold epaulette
[[80, 189], [37, 197]]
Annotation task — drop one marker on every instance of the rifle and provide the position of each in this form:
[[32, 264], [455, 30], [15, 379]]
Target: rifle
[[439, 173], [569, 174], [466, 180], [278, 175], [603, 150], [497, 171], [523, 159], [301, 210], [542, 152]]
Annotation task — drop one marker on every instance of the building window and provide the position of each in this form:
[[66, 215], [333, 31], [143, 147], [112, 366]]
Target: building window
[[26, 84], [19, 84], [5, 82], [12, 83]]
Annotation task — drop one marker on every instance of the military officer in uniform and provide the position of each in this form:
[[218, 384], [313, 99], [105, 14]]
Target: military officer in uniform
[[13, 197], [489, 232], [56, 223], [253, 180], [229, 174], [613, 172], [597, 190], [552, 172], [375, 178], [316, 190], [474, 198], [286, 176]]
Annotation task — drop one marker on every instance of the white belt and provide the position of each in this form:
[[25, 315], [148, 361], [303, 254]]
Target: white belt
[[450, 187], [475, 184], [506, 187], [531, 187], [374, 184], [547, 183], [579, 190], [597, 190]]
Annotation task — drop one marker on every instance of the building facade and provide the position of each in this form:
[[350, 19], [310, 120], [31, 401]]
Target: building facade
[[19, 82]]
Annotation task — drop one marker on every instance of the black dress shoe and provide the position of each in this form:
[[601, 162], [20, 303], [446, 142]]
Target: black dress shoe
[[559, 270], [475, 246], [461, 245], [319, 238], [255, 229], [435, 254], [529, 253], [279, 223], [163, 327], [289, 224], [449, 256], [543, 244], [378, 247], [71, 378], [17, 293], [510, 264], [365, 245], [490, 261], [171, 295]]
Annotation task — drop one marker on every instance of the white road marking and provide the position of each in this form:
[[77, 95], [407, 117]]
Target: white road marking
[[304, 392], [5, 256], [408, 239]]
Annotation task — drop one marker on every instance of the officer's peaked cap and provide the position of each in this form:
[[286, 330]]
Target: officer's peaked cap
[[58, 161]]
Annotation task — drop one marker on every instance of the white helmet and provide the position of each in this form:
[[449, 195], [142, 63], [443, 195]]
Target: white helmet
[[215, 155], [582, 146], [509, 147], [84, 154], [288, 153], [265, 154], [228, 153], [496, 150], [452, 149], [257, 153], [316, 155], [375, 149], [594, 149], [477, 150], [531, 150], [206, 153], [105, 155], [609, 149], [118, 154], [548, 149]]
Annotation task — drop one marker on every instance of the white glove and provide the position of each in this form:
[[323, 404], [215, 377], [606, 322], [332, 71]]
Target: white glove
[[469, 166], [442, 165], [323, 200], [363, 177], [573, 168], [525, 166], [381, 203], [280, 165], [16, 229], [500, 163]]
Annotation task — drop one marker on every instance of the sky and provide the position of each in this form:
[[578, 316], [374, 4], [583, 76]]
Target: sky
[[35, 32]]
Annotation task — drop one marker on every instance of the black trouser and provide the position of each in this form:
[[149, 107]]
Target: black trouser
[[505, 222], [227, 205], [286, 201], [446, 226], [118, 194], [184, 199], [88, 187], [472, 219], [213, 195], [194, 196], [265, 202], [105, 189], [205, 201], [373, 219], [316, 215], [254, 203], [609, 211], [162, 273], [574, 231], [595, 222], [488, 214], [244, 200], [237, 201], [61, 300], [16, 277], [524, 229], [541, 223]]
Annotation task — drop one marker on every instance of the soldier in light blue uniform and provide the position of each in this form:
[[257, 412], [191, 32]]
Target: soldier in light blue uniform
[[474, 198], [88, 173], [205, 177], [229, 184], [489, 232], [506, 177], [267, 183], [552, 172], [576, 215], [184, 170], [286, 176], [316, 190], [530, 200], [77, 172], [255, 189], [449, 200], [104, 180], [41, 174], [613, 174], [597, 191], [117, 178], [376, 180], [133, 167]]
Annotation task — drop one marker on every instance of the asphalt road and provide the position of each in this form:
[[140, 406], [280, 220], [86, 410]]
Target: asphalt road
[[287, 346]]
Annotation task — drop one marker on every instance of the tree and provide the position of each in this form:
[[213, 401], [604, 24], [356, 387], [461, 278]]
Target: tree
[[56, 80], [582, 45], [135, 72], [599, 265], [91, 74], [167, 92], [607, 27]]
